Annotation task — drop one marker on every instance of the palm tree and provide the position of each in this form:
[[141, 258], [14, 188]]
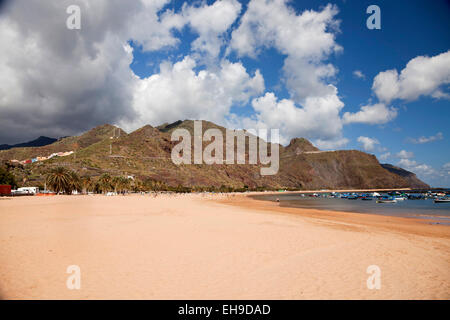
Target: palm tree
[[120, 184], [137, 185], [125, 184], [75, 182], [105, 183], [59, 180], [87, 184], [116, 184]]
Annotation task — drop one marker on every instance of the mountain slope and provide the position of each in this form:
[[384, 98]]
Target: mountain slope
[[410, 177], [338, 170], [73, 143], [39, 142], [146, 153]]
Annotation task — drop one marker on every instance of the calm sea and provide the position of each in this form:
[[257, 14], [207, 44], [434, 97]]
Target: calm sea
[[424, 209]]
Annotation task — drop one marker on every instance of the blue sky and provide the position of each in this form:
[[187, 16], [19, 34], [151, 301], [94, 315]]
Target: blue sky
[[408, 29], [310, 68]]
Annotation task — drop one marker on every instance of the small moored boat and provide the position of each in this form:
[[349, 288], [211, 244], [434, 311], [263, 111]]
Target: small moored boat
[[386, 200], [442, 200]]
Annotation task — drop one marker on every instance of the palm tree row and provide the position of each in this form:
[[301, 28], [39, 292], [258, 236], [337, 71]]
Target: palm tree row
[[61, 180]]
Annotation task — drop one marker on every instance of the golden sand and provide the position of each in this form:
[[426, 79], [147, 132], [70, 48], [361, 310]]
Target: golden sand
[[231, 247]]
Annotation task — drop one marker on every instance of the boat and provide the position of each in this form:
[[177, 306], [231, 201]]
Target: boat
[[442, 200], [416, 197], [352, 197], [366, 196], [399, 198], [386, 200]]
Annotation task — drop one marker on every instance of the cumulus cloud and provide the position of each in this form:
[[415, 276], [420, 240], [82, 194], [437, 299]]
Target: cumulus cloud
[[331, 144], [358, 74], [385, 156], [307, 39], [371, 114], [424, 171], [179, 91], [55, 81], [423, 139], [146, 26], [441, 176], [368, 144], [404, 154], [293, 121], [417, 168], [422, 76], [210, 22]]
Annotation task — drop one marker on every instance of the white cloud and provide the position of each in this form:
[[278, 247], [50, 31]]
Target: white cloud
[[419, 169], [423, 139], [358, 74], [422, 170], [55, 81], [179, 92], [210, 22], [422, 76], [404, 154], [308, 121], [385, 156], [368, 144], [49, 74], [371, 114], [307, 40], [330, 144], [147, 27]]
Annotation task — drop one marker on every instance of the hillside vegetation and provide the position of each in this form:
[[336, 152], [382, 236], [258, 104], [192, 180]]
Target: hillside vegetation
[[146, 155]]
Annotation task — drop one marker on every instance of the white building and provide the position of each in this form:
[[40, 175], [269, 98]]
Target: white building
[[32, 190]]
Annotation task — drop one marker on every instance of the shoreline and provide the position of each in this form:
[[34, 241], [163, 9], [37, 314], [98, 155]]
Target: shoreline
[[412, 225], [189, 246], [436, 218]]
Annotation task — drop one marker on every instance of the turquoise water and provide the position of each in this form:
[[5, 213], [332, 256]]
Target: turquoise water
[[424, 209]]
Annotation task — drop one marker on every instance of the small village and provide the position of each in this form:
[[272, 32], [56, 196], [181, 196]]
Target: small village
[[32, 160]]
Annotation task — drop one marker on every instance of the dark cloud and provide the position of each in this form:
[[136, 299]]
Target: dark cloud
[[55, 81]]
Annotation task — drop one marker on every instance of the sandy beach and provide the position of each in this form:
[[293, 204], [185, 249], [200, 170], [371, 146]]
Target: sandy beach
[[220, 247]]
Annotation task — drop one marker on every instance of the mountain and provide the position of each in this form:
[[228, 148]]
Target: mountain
[[39, 142], [412, 179], [73, 143], [146, 153]]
